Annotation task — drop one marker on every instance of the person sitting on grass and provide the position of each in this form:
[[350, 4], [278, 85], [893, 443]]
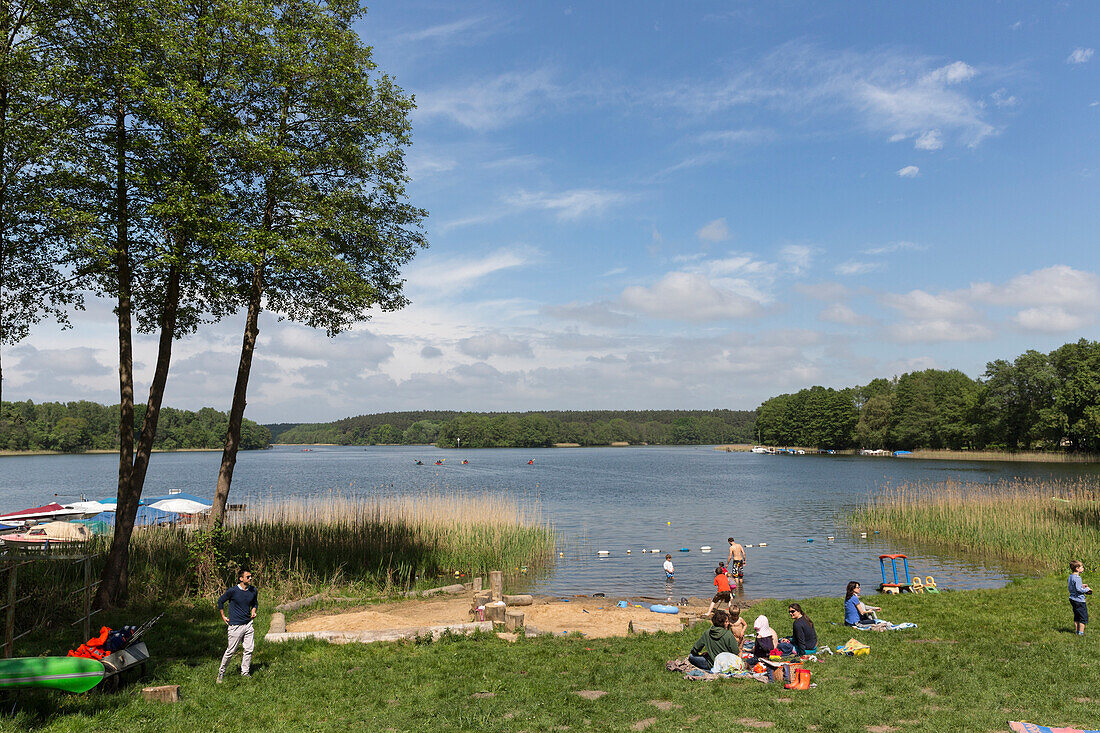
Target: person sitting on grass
[[855, 611], [724, 594], [804, 637], [715, 640], [737, 626], [766, 638]]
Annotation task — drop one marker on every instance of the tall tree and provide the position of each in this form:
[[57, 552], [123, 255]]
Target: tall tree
[[323, 202], [34, 228]]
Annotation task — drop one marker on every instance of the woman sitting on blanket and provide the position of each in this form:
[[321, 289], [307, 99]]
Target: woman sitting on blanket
[[855, 611], [715, 640], [766, 638]]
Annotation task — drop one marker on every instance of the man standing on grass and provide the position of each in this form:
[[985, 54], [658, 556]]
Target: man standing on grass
[[242, 602]]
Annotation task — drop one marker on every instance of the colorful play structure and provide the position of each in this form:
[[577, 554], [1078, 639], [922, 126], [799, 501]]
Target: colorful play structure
[[911, 585]]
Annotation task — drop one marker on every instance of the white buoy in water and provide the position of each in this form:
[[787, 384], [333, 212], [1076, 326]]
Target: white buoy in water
[[863, 535], [830, 538], [748, 545], [654, 550], [704, 548], [763, 544], [628, 552], [603, 553]]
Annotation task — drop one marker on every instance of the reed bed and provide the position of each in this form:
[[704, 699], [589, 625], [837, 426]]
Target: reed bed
[[1044, 523], [1010, 456], [383, 542]]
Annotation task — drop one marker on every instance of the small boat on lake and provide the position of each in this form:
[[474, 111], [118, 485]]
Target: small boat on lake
[[50, 511]]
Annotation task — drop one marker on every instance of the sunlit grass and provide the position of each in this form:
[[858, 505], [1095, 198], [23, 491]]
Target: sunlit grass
[[1041, 522]]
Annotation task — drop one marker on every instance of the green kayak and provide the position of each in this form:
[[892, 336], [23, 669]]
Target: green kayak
[[71, 674]]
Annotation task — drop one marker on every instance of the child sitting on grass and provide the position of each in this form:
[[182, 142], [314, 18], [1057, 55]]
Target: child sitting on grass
[[1077, 592], [737, 626]]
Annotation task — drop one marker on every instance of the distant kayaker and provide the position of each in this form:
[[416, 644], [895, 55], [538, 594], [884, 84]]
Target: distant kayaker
[[531, 462], [241, 602]]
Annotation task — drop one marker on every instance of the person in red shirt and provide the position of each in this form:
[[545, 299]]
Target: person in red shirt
[[724, 594]]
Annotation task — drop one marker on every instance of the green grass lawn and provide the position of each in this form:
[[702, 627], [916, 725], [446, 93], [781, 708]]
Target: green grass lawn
[[978, 659]]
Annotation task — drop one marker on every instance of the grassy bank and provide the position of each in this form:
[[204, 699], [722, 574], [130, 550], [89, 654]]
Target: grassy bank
[[1042, 523], [952, 673]]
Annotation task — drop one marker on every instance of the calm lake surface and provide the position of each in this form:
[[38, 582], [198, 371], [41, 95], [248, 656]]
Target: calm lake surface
[[611, 499]]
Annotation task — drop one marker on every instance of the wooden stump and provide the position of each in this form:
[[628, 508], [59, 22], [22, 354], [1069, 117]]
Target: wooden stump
[[495, 611], [482, 598], [477, 583], [496, 584], [278, 623], [513, 620], [522, 600], [164, 693]]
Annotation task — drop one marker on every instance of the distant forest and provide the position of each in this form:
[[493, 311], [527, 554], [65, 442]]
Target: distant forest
[[74, 427], [1037, 401], [527, 429]]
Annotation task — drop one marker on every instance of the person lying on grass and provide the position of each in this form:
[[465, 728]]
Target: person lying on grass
[[855, 611], [715, 640]]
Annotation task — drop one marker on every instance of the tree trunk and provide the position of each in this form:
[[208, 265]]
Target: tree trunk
[[236, 413], [113, 580]]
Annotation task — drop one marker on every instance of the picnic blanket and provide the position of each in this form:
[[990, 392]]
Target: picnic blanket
[[1019, 727], [691, 672], [883, 625]]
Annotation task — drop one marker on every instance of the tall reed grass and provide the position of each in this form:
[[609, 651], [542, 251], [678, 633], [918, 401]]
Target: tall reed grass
[[345, 539], [1044, 523], [1008, 456]]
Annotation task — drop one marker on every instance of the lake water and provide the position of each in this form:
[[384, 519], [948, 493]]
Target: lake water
[[611, 499]]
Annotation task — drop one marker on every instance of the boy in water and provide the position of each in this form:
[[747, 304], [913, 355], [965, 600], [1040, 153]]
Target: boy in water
[[736, 560], [724, 594], [1077, 592], [670, 572]]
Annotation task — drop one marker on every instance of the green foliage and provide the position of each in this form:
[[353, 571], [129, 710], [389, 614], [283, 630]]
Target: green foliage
[[74, 427], [527, 429], [1044, 401]]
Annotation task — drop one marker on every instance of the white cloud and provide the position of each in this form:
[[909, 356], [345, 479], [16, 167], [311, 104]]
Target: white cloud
[[796, 258], [909, 171], [857, 267], [842, 314], [571, 204], [1080, 56], [1002, 98], [922, 305], [714, 231], [454, 274], [1057, 285], [490, 104], [1050, 319], [939, 330], [689, 296], [736, 137], [600, 314], [494, 344], [931, 140], [443, 32], [431, 352], [825, 291], [899, 246]]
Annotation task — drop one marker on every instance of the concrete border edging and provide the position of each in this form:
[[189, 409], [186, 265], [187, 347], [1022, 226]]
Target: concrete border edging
[[368, 637]]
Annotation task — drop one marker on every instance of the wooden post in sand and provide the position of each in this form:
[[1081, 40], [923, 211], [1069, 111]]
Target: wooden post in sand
[[496, 584], [495, 612], [513, 620], [477, 583]]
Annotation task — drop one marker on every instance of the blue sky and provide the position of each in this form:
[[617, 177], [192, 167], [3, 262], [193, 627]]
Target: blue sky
[[694, 205]]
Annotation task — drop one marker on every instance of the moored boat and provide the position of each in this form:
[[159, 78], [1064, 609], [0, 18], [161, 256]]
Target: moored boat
[[52, 534]]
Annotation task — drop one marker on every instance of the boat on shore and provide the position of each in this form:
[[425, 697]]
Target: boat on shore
[[44, 536], [762, 449]]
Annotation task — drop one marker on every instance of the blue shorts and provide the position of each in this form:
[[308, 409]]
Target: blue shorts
[[1080, 612]]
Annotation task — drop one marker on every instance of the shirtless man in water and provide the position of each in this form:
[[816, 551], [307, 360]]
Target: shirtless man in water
[[736, 560]]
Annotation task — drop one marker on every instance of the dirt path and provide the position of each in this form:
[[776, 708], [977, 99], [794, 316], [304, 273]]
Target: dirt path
[[593, 617]]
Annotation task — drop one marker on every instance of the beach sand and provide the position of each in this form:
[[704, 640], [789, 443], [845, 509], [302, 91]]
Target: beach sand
[[593, 617]]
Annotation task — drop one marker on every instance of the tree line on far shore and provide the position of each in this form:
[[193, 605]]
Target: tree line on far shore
[[528, 429], [75, 427], [1035, 402]]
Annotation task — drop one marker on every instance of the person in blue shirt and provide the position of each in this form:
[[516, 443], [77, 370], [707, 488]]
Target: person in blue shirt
[[855, 611], [1077, 592], [238, 607]]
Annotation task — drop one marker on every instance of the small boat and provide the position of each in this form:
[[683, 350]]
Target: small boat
[[761, 449], [49, 512], [439, 463], [53, 534], [465, 462], [70, 674]]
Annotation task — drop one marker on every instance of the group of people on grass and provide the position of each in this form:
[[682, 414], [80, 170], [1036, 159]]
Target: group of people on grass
[[727, 634]]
